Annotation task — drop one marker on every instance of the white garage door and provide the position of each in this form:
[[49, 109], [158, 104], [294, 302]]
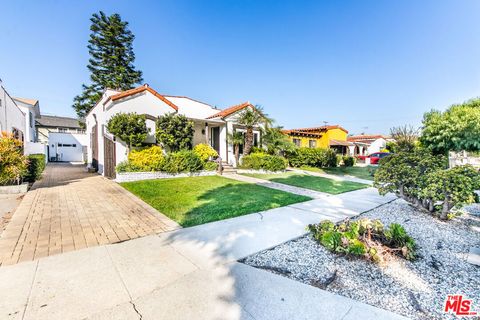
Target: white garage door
[[70, 152]]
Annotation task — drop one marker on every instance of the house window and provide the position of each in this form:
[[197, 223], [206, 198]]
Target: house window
[[83, 130], [255, 139], [297, 142], [31, 120], [312, 143], [62, 129]]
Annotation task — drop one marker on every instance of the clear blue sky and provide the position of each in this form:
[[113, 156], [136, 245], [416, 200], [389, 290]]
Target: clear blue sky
[[367, 65]]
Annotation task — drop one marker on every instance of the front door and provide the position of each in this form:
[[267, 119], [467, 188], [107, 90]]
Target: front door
[[216, 139]]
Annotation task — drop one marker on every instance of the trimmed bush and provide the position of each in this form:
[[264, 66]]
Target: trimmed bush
[[205, 151], [13, 164], [348, 161], [148, 159], [263, 161], [36, 165], [210, 166], [126, 166], [313, 157], [182, 161]]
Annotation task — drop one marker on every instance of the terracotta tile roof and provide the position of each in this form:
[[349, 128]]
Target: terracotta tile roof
[[297, 132], [26, 101], [334, 142], [323, 128], [137, 90], [230, 110], [362, 137]]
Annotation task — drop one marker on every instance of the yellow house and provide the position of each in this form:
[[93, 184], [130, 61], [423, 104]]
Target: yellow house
[[333, 136]]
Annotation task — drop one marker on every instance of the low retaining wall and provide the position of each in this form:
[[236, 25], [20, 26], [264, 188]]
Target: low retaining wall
[[261, 171], [21, 188], [137, 176]]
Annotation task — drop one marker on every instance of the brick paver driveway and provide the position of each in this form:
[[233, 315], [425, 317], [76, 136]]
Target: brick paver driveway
[[70, 209]]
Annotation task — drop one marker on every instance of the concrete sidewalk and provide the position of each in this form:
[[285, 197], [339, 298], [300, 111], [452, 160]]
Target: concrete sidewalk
[[187, 273], [332, 176]]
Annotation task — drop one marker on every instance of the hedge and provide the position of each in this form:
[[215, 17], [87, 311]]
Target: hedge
[[313, 157], [36, 165], [263, 161]]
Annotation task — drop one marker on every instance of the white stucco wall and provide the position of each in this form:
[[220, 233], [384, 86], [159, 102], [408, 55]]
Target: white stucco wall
[[11, 116], [71, 153], [377, 145]]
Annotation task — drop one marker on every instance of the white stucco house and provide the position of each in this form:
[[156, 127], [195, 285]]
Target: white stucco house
[[211, 125], [368, 144], [12, 118]]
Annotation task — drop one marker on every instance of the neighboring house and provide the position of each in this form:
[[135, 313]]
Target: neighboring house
[[332, 136], [367, 144], [211, 125], [46, 124], [65, 137], [31, 109], [12, 118]]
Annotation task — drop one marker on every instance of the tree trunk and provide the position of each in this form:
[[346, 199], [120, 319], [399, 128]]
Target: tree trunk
[[237, 154], [248, 141], [445, 209]]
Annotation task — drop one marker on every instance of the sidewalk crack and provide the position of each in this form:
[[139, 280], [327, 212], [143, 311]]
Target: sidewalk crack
[[136, 310]]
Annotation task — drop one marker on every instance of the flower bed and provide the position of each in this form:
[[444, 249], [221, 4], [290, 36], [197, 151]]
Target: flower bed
[[415, 289], [137, 176]]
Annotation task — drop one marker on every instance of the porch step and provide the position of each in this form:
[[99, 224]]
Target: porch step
[[228, 168]]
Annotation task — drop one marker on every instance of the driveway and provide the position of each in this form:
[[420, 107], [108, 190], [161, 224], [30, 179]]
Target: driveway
[[70, 209]]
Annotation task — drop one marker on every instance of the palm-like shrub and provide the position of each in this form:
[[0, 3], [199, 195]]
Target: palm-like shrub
[[250, 118], [236, 139]]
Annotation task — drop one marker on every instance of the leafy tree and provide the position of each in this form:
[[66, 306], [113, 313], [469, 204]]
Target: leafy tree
[[424, 180], [111, 60], [456, 129], [250, 118], [174, 131], [405, 137], [453, 187], [276, 142], [13, 164], [236, 139], [128, 127]]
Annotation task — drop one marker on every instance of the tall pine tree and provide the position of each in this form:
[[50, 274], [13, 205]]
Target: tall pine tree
[[111, 61]]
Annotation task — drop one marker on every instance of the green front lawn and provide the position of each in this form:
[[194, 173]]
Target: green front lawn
[[359, 172], [196, 200], [310, 182]]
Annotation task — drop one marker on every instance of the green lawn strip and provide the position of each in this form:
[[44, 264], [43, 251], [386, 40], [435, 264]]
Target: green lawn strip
[[197, 200], [359, 172], [311, 182]]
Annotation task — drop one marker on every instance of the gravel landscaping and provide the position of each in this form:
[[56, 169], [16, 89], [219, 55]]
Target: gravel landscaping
[[414, 289]]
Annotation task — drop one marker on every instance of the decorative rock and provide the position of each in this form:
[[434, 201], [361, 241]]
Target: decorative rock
[[474, 256]]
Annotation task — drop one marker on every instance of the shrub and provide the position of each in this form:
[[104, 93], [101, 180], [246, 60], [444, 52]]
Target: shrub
[[424, 180], [264, 161], [126, 166], [348, 161], [174, 131], [128, 127], [148, 159], [210, 166], [205, 151], [365, 237], [313, 157], [13, 164], [182, 161], [36, 165]]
